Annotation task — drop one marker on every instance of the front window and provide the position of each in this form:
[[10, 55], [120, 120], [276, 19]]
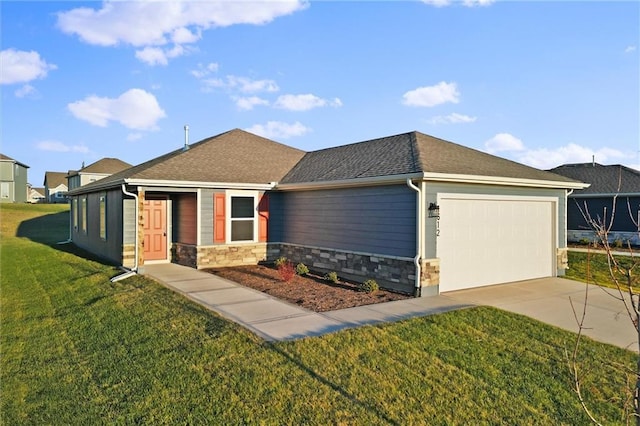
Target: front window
[[242, 218]]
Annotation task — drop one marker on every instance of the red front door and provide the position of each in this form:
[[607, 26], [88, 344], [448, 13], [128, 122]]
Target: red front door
[[155, 229]]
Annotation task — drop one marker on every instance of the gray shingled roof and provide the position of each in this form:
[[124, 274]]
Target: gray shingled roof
[[603, 179], [241, 157], [407, 153], [7, 158], [103, 166], [235, 156], [53, 179]]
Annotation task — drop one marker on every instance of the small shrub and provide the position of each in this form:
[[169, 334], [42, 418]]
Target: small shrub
[[584, 241], [301, 269], [280, 261], [618, 243], [369, 286], [331, 277], [286, 271]]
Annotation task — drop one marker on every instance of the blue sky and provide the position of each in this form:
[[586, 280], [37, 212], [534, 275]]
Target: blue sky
[[541, 83]]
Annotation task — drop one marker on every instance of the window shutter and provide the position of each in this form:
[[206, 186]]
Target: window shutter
[[263, 218], [219, 219]]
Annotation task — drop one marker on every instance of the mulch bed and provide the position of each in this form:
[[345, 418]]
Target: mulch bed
[[311, 292]]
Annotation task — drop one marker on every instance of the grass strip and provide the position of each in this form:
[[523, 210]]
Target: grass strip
[[78, 349]]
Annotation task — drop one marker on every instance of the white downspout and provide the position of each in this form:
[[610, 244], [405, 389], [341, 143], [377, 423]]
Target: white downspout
[[71, 213], [416, 259], [566, 210], [134, 270]]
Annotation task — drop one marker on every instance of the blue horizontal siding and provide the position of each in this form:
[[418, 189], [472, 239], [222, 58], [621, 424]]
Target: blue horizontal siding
[[377, 220]]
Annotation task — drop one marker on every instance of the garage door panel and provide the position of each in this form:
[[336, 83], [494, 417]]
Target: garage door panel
[[491, 241]]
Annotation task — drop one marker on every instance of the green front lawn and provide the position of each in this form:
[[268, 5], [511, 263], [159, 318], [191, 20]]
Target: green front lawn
[[594, 269], [78, 349]]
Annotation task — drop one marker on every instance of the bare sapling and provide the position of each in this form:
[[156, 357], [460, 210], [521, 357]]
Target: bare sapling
[[623, 264]]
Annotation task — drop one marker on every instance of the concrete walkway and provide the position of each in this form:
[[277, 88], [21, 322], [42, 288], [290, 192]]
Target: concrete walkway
[[547, 300], [273, 319]]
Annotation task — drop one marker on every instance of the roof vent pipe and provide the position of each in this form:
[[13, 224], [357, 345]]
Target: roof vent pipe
[[593, 160], [186, 138]]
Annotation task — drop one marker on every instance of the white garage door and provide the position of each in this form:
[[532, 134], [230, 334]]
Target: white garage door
[[486, 240]]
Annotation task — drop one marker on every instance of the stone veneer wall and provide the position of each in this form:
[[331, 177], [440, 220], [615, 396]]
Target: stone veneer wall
[[395, 273], [577, 236], [562, 258], [430, 277], [128, 255], [218, 256]]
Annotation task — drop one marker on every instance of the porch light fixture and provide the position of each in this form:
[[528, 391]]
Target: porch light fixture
[[434, 210]]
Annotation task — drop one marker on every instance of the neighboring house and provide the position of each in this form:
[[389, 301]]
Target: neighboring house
[[36, 195], [596, 202], [55, 187], [418, 214], [13, 180], [96, 171]]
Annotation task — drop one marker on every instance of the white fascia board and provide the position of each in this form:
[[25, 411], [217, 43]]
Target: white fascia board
[[151, 183], [347, 183], [96, 186], [606, 195], [192, 184], [504, 181]]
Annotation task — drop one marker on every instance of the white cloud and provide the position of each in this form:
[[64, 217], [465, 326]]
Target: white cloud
[[429, 96], [240, 84], [453, 118], [19, 66], [184, 36], [26, 90], [503, 142], [205, 70], [279, 130], [247, 104], [304, 102], [247, 85], [437, 3], [134, 109], [545, 158], [467, 3], [630, 49], [473, 3], [57, 146], [158, 56], [548, 158], [152, 56], [158, 23]]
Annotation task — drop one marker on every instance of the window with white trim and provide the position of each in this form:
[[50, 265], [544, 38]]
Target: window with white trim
[[84, 214], [76, 213], [103, 216], [242, 216], [5, 190]]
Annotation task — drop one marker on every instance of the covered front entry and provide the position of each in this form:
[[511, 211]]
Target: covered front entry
[[486, 240], [155, 229]]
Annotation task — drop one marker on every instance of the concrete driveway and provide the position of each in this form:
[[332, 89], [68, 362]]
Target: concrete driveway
[[548, 300]]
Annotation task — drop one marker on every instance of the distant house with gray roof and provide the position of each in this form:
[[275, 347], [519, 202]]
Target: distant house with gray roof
[[36, 195], [55, 187], [13, 180], [419, 214], [608, 182], [95, 171]]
